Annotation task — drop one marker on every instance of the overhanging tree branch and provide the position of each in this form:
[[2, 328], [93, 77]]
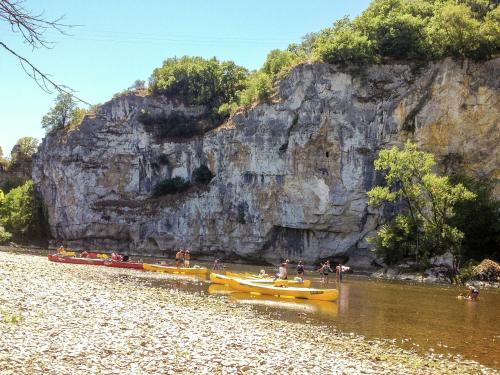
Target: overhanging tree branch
[[42, 79], [32, 27]]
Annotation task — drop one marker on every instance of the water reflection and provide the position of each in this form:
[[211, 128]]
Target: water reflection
[[293, 304]]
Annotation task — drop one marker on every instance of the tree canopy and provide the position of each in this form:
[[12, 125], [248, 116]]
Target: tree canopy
[[199, 81], [64, 113], [23, 150], [427, 204]]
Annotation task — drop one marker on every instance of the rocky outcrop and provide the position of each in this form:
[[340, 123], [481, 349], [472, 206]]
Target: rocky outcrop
[[290, 177]]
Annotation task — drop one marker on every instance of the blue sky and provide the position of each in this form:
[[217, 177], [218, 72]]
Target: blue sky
[[120, 41]]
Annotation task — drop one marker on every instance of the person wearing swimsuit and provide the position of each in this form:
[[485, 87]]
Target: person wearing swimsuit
[[324, 271], [473, 293], [300, 270]]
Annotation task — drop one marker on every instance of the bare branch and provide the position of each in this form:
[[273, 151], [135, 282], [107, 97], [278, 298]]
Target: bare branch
[[42, 79], [32, 27]]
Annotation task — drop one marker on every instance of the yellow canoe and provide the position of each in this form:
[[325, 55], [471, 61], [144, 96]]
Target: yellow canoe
[[177, 270], [269, 280], [307, 293], [296, 304], [222, 279]]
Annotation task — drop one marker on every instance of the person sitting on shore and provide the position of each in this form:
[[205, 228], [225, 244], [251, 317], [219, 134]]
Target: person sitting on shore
[[179, 258], [84, 254], [473, 293], [300, 270]]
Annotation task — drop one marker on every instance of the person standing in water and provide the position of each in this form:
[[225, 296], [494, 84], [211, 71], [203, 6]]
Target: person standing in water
[[300, 270], [325, 271], [187, 257]]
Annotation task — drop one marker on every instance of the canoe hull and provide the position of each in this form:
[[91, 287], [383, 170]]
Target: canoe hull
[[133, 265], [92, 262], [307, 293], [175, 270], [223, 279]]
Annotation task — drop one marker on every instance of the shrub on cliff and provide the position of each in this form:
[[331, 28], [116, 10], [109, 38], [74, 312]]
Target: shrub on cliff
[[199, 81], [64, 113], [171, 126], [171, 186], [422, 30], [202, 175]]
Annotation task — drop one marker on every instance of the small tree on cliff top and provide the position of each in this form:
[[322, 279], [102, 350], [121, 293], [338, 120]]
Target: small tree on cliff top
[[428, 199], [64, 113]]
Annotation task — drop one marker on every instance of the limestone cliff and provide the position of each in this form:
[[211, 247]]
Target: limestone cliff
[[290, 177]]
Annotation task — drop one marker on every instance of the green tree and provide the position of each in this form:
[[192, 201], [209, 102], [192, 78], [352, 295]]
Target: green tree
[[259, 89], [428, 199], [64, 113], [199, 81], [23, 150], [3, 162], [482, 234], [453, 31], [343, 44], [17, 210]]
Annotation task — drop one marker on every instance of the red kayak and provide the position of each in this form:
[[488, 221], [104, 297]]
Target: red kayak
[[116, 263], [60, 259]]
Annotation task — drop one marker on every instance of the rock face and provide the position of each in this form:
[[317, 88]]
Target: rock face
[[290, 177]]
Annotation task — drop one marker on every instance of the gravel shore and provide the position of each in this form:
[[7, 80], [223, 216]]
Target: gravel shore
[[72, 319]]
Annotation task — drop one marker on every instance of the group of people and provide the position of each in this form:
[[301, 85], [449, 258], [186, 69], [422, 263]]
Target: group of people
[[324, 271], [182, 258]]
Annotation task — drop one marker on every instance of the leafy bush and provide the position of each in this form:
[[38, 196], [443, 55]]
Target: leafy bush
[[259, 89], [11, 183], [482, 234], [395, 241], [466, 274], [342, 44], [171, 186], [198, 81], [402, 29], [4, 235], [202, 175], [17, 210]]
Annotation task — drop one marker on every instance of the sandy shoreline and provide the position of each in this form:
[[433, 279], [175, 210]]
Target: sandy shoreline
[[71, 319]]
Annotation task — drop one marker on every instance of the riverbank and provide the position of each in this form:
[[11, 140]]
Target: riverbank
[[59, 318]]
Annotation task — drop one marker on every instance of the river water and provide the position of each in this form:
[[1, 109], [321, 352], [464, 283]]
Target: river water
[[425, 318], [422, 317]]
